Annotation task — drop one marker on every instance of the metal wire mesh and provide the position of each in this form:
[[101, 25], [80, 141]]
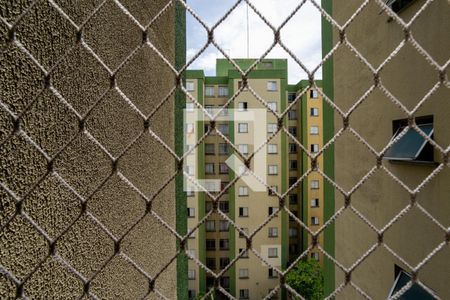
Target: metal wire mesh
[[46, 70]]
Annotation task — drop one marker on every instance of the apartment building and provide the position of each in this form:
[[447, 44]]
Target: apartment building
[[281, 240], [409, 77]]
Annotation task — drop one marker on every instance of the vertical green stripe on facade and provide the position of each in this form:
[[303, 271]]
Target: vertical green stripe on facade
[[180, 196], [284, 170], [231, 197], [201, 195], [305, 163], [328, 114]]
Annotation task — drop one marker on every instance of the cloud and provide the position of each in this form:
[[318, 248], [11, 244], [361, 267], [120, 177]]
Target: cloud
[[301, 34]]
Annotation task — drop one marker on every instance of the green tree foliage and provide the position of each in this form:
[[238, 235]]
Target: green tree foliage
[[307, 279]]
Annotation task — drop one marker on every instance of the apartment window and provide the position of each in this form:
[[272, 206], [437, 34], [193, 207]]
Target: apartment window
[[224, 261], [209, 149], [243, 127], [209, 91], [189, 128], [224, 111], [243, 211], [292, 130], [243, 191], [243, 170], [209, 109], [295, 213], [267, 65], [272, 209], [272, 106], [243, 230], [209, 168], [224, 244], [190, 253], [190, 86], [189, 107], [224, 225], [273, 169], [191, 274], [293, 248], [223, 148], [292, 115], [224, 206], [188, 148], [224, 129], [209, 281], [192, 236], [293, 198], [314, 184], [315, 202], [243, 148], [242, 106], [293, 232], [314, 221], [240, 84], [271, 86], [210, 225], [292, 181], [272, 148], [206, 129], [211, 263], [190, 191], [293, 165], [398, 5], [225, 282], [191, 294], [208, 206], [291, 97], [313, 94], [315, 255], [314, 130], [223, 91], [272, 128], [314, 148], [412, 146], [244, 294], [243, 273], [292, 148], [190, 212], [273, 231], [272, 188], [189, 170], [273, 252], [223, 185], [314, 112], [244, 254], [272, 273], [223, 168]]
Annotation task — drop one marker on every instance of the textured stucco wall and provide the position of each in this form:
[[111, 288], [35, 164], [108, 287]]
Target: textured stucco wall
[[409, 77], [81, 80]]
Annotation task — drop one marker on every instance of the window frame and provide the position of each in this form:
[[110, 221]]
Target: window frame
[[209, 87], [273, 255], [240, 129]]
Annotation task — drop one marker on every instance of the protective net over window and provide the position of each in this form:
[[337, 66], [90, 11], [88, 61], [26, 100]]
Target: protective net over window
[[90, 155]]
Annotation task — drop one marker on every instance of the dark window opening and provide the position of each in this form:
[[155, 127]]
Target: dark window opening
[[412, 146]]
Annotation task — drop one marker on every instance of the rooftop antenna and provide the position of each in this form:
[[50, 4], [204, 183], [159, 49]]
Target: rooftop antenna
[[248, 35]]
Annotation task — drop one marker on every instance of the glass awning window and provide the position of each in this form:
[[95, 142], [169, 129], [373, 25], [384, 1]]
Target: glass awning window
[[415, 292], [410, 146]]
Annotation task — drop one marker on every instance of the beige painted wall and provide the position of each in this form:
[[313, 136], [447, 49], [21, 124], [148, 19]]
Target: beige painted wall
[[81, 81], [409, 77]]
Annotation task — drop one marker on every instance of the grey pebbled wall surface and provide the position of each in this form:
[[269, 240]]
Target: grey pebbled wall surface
[[82, 80]]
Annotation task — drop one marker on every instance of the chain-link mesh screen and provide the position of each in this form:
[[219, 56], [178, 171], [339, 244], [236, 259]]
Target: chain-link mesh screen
[[88, 164]]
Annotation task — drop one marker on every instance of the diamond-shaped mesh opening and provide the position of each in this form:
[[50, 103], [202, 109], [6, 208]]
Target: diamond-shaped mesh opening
[[91, 158]]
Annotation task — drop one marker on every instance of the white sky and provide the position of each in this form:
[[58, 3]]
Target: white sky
[[302, 34]]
